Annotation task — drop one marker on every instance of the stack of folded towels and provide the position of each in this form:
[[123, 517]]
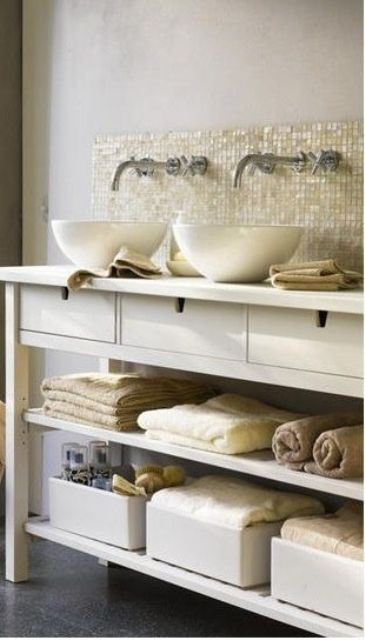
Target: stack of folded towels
[[328, 445], [341, 533], [114, 401], [317, 275], [228, 423], [234, 502]]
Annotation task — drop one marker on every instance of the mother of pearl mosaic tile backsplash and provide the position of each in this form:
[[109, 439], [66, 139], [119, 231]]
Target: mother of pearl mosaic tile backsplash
[[328, 205]]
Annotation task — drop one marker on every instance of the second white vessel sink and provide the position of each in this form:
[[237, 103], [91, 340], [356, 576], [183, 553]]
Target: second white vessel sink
[[94, 243], [236, 252]]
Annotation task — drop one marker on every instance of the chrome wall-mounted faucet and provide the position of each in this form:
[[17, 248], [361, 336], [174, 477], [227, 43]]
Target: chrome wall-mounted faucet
[[325, 159], [173, 166], [328, 160]]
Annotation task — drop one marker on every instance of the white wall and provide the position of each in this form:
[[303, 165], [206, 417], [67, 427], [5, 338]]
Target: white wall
[[137, 65]]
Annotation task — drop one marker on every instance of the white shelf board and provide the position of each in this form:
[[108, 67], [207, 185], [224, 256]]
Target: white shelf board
[[256, 600], [260, 463], [349, 301]]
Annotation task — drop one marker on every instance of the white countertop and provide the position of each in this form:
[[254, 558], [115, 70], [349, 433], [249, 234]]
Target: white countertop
[[349, 301]]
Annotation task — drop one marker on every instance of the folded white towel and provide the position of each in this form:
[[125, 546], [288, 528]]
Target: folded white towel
[[228, 423], [233, 502]]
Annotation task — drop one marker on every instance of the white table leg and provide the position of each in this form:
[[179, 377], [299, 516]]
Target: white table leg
[[107, 365], [16, 443]]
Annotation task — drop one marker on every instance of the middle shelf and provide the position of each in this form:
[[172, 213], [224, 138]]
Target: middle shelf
[[260, 463]]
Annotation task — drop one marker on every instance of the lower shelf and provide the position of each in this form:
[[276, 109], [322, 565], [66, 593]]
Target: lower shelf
[[257, 600]]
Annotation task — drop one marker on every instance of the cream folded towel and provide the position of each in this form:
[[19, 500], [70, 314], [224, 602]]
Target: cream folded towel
[[339, 453], [293, 441], [233, 502], [126, 263], [228, 423], [317, 275], [340, 532], [114, 401], [2, 439]]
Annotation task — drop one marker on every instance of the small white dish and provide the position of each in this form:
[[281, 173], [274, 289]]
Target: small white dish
[[182, 268]]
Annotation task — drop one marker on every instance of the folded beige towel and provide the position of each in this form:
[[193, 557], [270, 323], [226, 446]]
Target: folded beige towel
[[114, 401], [2, 439], [293, 441], [339, 453], [340, 532], [234, 502], [228, 423], [321, 275], [126, 263]]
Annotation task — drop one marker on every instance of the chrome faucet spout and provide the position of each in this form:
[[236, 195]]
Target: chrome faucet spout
[[118, 172], [266, 163]]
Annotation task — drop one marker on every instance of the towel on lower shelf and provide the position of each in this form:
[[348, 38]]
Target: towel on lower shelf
[[228, 423], [233, 502], [293, 441], [317, 275], [114, 401], [339, 453], [125, 263], [340, 532], [2, 439]]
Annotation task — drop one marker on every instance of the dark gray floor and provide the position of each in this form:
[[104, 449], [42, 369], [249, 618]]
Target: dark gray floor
[[69, 594]]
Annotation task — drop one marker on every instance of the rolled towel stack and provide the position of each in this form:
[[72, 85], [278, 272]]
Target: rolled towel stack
[[317, 275], [114, 401], [329, 444], [228, 423], [341, 533]]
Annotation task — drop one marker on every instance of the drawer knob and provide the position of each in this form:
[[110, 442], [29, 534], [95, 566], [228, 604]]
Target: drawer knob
[[64, 293], [321, 318], [179, 305]]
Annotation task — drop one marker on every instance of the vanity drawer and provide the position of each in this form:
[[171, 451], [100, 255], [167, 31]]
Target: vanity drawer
[[187, 326], [295, 339], [88, 315]]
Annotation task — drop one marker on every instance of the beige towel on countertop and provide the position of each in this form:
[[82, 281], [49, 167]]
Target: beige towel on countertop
[[2, 439], [126, 263], [293, 441], [228, 423], [115, 400], [340, 533], [234, 502], [339, 453], [321, 275]]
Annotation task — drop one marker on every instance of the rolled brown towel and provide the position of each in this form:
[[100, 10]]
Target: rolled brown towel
[[293, 441], [338, 453]]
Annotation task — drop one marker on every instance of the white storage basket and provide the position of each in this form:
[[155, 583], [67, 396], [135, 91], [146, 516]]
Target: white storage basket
[[317, 580], [101, 515], [237, 556]]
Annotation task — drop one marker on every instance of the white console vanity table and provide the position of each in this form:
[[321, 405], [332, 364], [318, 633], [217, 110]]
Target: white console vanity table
[[304, 340]]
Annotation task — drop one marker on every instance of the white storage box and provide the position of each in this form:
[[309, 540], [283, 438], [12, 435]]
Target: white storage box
[[101, 515], [317, 580], [237, 556]]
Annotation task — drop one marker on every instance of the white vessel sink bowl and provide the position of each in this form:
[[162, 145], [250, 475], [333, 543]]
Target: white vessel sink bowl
[[236, 253], [94, 243]]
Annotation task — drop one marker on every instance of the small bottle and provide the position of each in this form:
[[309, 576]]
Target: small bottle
[[101, 466], [68, 452], [79, 467], [91, 448]]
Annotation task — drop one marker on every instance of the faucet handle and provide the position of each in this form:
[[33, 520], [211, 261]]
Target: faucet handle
[[328, 159]]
